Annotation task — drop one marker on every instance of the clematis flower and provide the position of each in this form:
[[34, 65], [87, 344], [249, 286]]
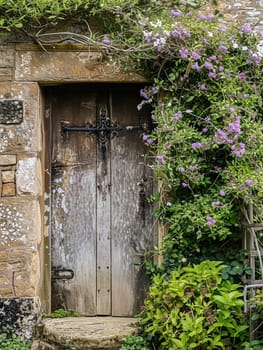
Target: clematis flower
[[181, 169], [197, 145], [106, 41], [208, 65], [210, 221], [246, 28], [249, 182], [176, 13], [222, 193], [178, 115], [216, 203], [222, 48], [184, 53], [160, 159], [196, 55]]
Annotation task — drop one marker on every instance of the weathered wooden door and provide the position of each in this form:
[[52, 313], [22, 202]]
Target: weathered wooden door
[[102, 227]]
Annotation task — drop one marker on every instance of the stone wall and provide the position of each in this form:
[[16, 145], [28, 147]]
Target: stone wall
[[24, 69], [20, 198], [241, 11]]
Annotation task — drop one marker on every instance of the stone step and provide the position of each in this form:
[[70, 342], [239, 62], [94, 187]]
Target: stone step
[[84, 333]]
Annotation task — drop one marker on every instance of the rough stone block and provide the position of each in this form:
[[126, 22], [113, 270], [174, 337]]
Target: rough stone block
[[6, 292], [93, 333], [7, 159], [4, 280], [3, 255], [7, 55], [41, 345], [21, 314], [11, 111], [5, 74], [20, 223], [8, 176], [24, 284], [25, 137], [28, 176], [8, 190]]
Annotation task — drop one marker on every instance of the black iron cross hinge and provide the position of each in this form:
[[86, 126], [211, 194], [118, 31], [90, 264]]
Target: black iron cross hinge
[[104, 129]]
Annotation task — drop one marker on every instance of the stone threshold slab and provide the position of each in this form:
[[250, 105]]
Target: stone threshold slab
[[85, 333]]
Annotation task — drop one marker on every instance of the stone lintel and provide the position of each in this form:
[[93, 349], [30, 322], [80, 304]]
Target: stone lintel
[[69, 63]]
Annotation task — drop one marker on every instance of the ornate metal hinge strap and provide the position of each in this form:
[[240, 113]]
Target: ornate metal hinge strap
[[104, 129]]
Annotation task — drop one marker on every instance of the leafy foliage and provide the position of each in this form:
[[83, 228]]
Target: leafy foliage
[[61, 313], [195, 309], [13, 343], [134, 343]]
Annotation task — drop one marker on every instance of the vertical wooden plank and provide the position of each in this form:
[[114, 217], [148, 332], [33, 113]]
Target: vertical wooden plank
[[103, 217], [132, 224], [74, 201], [47, 136]]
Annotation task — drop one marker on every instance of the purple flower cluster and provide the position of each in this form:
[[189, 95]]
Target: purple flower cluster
[[176, 13], [160, 159], [216, 204], [184, 53], [239, 149], [222, 193], [209, 17], [144, 94], [106, 41], [147, 139], [231, 137], [181, 169], [197, 145], [249, 182], [196, 67], [195, 55], [148, 92], [208, 65], [180, 33], [210, 221], [177, 116], [246, 29]]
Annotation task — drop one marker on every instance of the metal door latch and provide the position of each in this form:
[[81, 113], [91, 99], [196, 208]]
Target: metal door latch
[[61, 273]]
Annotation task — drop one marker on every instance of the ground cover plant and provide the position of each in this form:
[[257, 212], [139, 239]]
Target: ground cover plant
[[13, 343], [206, 149]]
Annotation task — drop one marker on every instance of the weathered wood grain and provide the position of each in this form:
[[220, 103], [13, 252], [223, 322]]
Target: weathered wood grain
[[74, 202], [132, 235], [103, 221], [102, 227]]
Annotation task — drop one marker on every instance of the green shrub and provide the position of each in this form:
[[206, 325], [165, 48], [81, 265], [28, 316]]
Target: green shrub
[[134, 343], [13, 343], [195, 309]]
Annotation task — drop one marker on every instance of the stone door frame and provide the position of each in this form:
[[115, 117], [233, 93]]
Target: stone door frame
[[70, 64], [25, 71]]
